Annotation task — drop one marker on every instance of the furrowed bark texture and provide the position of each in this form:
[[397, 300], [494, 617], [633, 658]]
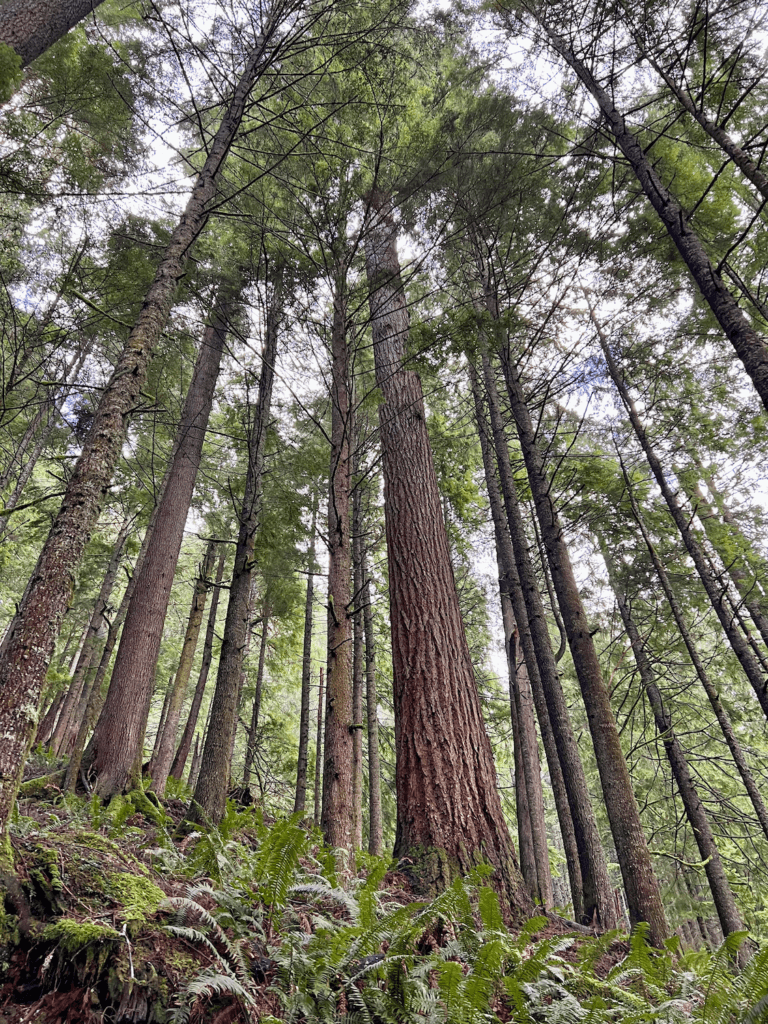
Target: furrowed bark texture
[[163, 756], [640, 884], [375, 831], [716, 593], [338, 763], [595, 899], [210, 797], [713, 696], [357, 660], [119, 736], [306, 677], [32, 641], [30, 28], [449, 815], [720, 888], [749, 345], [319, 751], [185, 743]]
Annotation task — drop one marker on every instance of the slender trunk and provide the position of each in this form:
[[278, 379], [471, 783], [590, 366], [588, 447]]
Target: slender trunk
[[449, 815], [194, 768], [711, 690], [251, 731], [375, 831], [71, 714], [716, 593], [210, 797], [306, 676], [725, 904], [749, 345], [640, 883], [161, 724], [357, 660], [48, 722], [588, 871], [34, 636], [338, 760], [319, 751], [179, 762], [250, 753], [120, 730], [163, 756], [12, 501]]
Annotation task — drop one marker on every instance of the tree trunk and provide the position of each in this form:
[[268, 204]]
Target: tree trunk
[[449, 815], [250, 753], [163, 756], [749, 345], [338, 756], [33, 639], [357, 658], [30, 27], [716, 593], [375, 833], [306, 676], [120, 730], [720, 888], [210, 797], [640, 883], [591, 889], [710, 689], [179, 762], [12, 501], [319, 752]]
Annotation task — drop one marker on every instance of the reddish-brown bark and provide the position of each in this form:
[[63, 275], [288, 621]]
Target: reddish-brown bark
[[306, 677], [449, 815]]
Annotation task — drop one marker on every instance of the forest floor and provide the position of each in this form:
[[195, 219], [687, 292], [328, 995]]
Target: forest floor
[[114, 919]]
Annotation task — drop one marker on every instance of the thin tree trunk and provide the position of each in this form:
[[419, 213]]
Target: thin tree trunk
[[338, 755], [715, 592], [179, 762], [357, 659], [306, 676], [319, 752], [10, 504], [640, 884], [210, 797], [250, 753], [375, 831], [720, 888], [251, 731], [749, 345], [33, 639], [120, 730], [588, 871], [194, 768], [160, 725], [726, 726], [449, 814], [48, 722], [163, 755]]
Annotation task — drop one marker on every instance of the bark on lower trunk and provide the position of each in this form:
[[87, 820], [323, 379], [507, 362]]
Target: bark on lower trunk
[[210, 797], [163, 756], [449, 815], [250, 752], [319, 751], [357, 658], [749, 345], [723, 897], [338, 755], [119, 736], [375, 831], [640, 884], [300, 800], [32, 641]]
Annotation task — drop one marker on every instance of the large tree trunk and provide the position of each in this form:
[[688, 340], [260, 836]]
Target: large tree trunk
[[591, 889], [30, 27], [749, 345], [163, 756], [711, 690], [375, 833], [640, 884], [210, 797], [449, 815], [118, 740], [722, 894], [338, 763], [185, 743], [306, 677], [32, 641], [716, 593]]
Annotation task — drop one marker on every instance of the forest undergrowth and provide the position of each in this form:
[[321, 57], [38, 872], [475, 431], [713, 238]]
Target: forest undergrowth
[[113, 916]]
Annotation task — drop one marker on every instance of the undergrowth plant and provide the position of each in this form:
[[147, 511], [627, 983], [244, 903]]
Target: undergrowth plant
[[352, 954]]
